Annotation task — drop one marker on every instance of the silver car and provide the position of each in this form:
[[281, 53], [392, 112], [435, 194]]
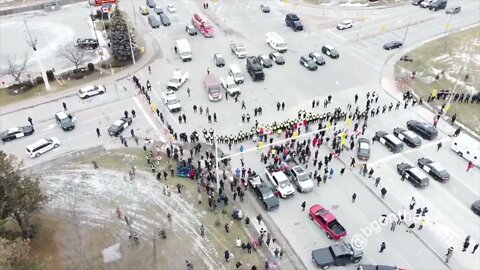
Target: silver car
[[363, 149]]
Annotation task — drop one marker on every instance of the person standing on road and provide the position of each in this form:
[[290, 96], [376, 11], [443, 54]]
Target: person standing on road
[[470, 165], [383, 192], [132, 132], [202, 231], [370, 173], [243, 105], [354, 197], [304, 204], [449, 254], [383, 246], [134, 114], [392, 227], [475, 248], [412, 203], [98, 133], [352, 163], [356, 98], [64, 106], [125, 113], [465, 246], [188, 91], [454, 117], [30, 120], [457, 132], [208, 70], [377, 181], [150, 70], [439, 145], [259, 218]]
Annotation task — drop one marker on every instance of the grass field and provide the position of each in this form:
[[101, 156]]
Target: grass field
[[456, 55]]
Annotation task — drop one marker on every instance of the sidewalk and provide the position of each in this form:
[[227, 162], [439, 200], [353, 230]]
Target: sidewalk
[[344, 4], [143, 61]]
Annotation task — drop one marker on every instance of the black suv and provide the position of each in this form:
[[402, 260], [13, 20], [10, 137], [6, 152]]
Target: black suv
[[412, 174], [267, 196], [293, 21], [66, 122], [330, 51], [423, 129]]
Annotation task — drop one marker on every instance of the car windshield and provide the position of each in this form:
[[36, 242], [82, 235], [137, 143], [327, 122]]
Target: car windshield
[[172, 101], [65, 120], [240, 49], [269, 194], [303, 177], [333, 51], [207, 26], [410, 134], [175, 80]]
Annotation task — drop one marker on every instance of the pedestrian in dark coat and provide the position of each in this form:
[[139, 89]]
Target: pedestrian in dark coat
[[227, 255]]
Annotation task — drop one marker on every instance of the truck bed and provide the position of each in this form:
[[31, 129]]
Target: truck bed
[[322, 257], [337, 228]]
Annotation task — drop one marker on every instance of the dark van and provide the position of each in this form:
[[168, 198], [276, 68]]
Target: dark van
[[392, 143], [437, 5]]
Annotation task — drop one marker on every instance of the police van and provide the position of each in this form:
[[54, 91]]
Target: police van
[[468, 148]]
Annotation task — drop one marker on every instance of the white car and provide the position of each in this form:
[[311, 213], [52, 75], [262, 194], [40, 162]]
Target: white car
[[91, 90], [179, 78], [171, 101], [171, 8], [230, 86], [42, 146], [345, 24]]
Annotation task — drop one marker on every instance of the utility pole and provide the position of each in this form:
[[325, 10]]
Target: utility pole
[[447, 27], [131, 45], [134, 14], [32, 42], [406, 30]]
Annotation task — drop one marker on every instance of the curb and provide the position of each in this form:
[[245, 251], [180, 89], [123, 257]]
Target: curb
[[338, 6]]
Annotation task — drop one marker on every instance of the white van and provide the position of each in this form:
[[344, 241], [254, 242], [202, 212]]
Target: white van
[[276, 42], [235, 72], [42, 146], [183, 49], [468, 148]]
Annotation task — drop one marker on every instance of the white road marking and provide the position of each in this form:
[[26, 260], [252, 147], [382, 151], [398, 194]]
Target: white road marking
[[49, 127], [336, 35], [147, 116], [163, 105]]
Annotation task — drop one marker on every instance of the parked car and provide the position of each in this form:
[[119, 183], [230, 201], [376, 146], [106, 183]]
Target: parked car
[[425, 3], [434, 169], [330, 51], [266, 195], [153, 21], [255, 180], [158, 10], [171, 8], [327, 221], [363, 149], [42, 146], [264, 60], [438, 5], [345, 24], [338, 254], [144, 10], [277, 58], [119, 126], [476, 207], [378, 267], [65, 121], [16, 133], [219, 60], [151, 3], [265, 8], [318, 58], [407, 136], [392, 45], [191, 30], [87, 43], [453, 9], [164, 19], [308, 62], [412, 174], [423, 129], [416, 2]]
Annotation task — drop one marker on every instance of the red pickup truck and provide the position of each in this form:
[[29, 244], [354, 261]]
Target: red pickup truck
[[327, 221]]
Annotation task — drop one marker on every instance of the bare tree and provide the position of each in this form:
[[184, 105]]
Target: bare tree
[[73, 54], [16, 68]]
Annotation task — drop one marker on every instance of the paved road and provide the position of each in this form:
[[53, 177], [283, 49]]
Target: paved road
[[357, 71]]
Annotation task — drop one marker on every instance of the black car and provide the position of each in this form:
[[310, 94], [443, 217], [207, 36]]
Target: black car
[[65, 121], [434, 169], [16, 132], [219, 60], [120, 125], [392, 143], [277, 58], [265, 8], [265, 60], [425, 130], [308, 63], [330, 51], [407, 136], [476, 207], [412, 174], [363, 149], [318, 58], [267, 196], [392, 45]]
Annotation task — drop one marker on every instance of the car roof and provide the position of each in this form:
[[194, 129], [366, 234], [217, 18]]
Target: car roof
[[392, 138], [437, 166], [38, 143], [13, 129], [280, 176], [420, 174], [328, 46], [299, 170], [61, 115], [119, 122]]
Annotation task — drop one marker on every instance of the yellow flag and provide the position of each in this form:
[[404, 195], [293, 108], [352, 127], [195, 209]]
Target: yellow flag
[[447, 107], [349, 121], [295, 134], [260, 144], [434, 93]]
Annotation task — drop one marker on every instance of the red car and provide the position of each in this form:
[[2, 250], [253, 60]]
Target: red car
[[327, 221]]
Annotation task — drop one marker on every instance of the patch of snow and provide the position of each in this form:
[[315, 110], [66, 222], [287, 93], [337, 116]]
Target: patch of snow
[[354, 5], [112, 253]]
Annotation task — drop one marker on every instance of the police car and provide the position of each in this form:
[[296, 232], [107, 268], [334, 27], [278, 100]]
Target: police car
[[119, 126], [412, 174], [91, 90], [392, 143], [65, 121], [42, 146], [308, 62], [16, 132], [434, 169], [407, 136]]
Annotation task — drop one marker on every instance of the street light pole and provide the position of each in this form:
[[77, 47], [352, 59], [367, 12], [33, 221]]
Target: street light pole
[[131, 46], [32, 41], [447, 26], [406, 30], [134, 15]]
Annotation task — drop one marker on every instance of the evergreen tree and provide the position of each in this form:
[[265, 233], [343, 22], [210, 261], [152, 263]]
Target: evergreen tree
[[119, 40], [20, 194]]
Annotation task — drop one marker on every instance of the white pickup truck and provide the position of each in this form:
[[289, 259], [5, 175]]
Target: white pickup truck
[[179, 78], [279, 181], [238, 50], [171, 101], [230, 86]]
